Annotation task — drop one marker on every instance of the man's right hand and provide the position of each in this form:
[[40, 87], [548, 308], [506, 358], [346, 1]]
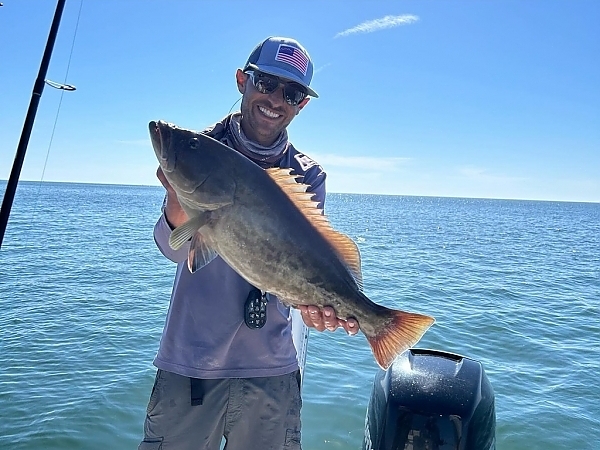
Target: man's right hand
[[325, 318], [174, 213]]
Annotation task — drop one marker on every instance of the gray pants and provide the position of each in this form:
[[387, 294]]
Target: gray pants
[[251, 413]]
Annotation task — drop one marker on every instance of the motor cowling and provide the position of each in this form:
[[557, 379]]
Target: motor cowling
[[431, 400]]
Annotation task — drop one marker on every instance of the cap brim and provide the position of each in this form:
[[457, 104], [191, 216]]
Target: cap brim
[[283, 74]]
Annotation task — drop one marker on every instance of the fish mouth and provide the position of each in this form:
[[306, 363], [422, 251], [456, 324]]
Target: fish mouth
[[160, 135]]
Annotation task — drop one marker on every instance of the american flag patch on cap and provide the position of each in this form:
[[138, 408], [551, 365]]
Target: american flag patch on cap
[[293, 57]]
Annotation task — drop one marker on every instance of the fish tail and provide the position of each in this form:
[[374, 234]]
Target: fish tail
[[403, 330]]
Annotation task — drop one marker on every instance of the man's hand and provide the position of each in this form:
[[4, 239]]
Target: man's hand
[[173, 212], [325, 319]]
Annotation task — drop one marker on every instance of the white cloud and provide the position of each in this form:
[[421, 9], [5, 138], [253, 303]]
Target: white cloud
[[379, 24], [319, 69], [361, 162], [481, 174]]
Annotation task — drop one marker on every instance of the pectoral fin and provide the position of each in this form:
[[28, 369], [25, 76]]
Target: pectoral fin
[[183, 233], [200, 254]]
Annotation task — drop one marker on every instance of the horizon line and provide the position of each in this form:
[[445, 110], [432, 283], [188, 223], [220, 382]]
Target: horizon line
[[333, 192]]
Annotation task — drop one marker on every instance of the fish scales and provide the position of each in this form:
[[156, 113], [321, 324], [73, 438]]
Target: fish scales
[[264, 225]]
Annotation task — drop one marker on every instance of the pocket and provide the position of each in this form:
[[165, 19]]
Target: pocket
[[292, 439], [151, 444], [295, 390], [155, 392]]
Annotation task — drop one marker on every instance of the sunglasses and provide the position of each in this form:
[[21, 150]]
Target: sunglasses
[[293, 93]]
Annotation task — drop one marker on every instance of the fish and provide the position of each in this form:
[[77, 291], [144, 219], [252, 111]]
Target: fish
[[266, 226]]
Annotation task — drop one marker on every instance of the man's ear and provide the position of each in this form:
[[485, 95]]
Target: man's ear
[[302, 104], [241, 78]]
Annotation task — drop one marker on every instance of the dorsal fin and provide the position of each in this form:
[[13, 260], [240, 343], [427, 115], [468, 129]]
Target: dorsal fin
[[343, 245], [348, 251]]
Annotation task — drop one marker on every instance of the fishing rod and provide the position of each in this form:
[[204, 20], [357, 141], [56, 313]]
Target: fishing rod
[[38, 88]]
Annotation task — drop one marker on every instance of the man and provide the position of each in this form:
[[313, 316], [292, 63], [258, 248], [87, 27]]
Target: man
[[218, 375]]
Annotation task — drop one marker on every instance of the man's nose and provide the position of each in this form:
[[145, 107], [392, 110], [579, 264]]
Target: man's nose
[[277, 96]]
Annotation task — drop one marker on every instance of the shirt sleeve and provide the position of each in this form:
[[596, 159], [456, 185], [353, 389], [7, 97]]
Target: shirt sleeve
[[315, 178], [162, 231]]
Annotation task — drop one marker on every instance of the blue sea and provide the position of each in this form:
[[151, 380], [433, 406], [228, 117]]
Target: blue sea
[[512, 284]]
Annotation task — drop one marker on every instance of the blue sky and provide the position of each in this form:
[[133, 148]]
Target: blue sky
[[493, 99]]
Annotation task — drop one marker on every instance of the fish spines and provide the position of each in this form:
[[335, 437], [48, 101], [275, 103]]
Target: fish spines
[[403, 331]]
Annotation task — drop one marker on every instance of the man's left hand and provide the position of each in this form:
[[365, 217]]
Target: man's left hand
[[324, 318]]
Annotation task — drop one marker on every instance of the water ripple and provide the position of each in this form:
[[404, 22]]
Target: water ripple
[[513, 284]]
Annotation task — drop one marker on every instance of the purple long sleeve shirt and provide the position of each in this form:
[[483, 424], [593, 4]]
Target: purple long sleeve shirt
[[204, 334]]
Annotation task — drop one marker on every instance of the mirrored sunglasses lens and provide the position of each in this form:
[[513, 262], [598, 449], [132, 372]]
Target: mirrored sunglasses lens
[[265, 84], [293, 94]]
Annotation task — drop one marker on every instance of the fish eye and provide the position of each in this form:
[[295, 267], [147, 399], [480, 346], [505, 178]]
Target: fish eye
[[194, 143]]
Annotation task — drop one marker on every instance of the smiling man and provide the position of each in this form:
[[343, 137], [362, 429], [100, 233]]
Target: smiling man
[[221, 373]]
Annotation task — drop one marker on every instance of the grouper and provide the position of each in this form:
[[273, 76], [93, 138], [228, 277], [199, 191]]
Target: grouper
[[266, 227]]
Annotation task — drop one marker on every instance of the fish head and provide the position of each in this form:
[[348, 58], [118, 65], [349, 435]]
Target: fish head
[[177, 152], [193, 165]]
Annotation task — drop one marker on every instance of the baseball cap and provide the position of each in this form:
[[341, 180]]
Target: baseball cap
[[284, 58]]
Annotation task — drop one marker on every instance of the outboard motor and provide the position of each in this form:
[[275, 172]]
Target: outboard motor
[[431, 400]]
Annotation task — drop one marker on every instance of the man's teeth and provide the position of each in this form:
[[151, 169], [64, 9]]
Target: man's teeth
[[268, 113]]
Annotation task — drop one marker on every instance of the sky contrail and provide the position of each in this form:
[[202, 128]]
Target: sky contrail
[[379, 24]]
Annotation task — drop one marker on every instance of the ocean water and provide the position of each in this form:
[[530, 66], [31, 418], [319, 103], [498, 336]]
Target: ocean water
[[512, 284]]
